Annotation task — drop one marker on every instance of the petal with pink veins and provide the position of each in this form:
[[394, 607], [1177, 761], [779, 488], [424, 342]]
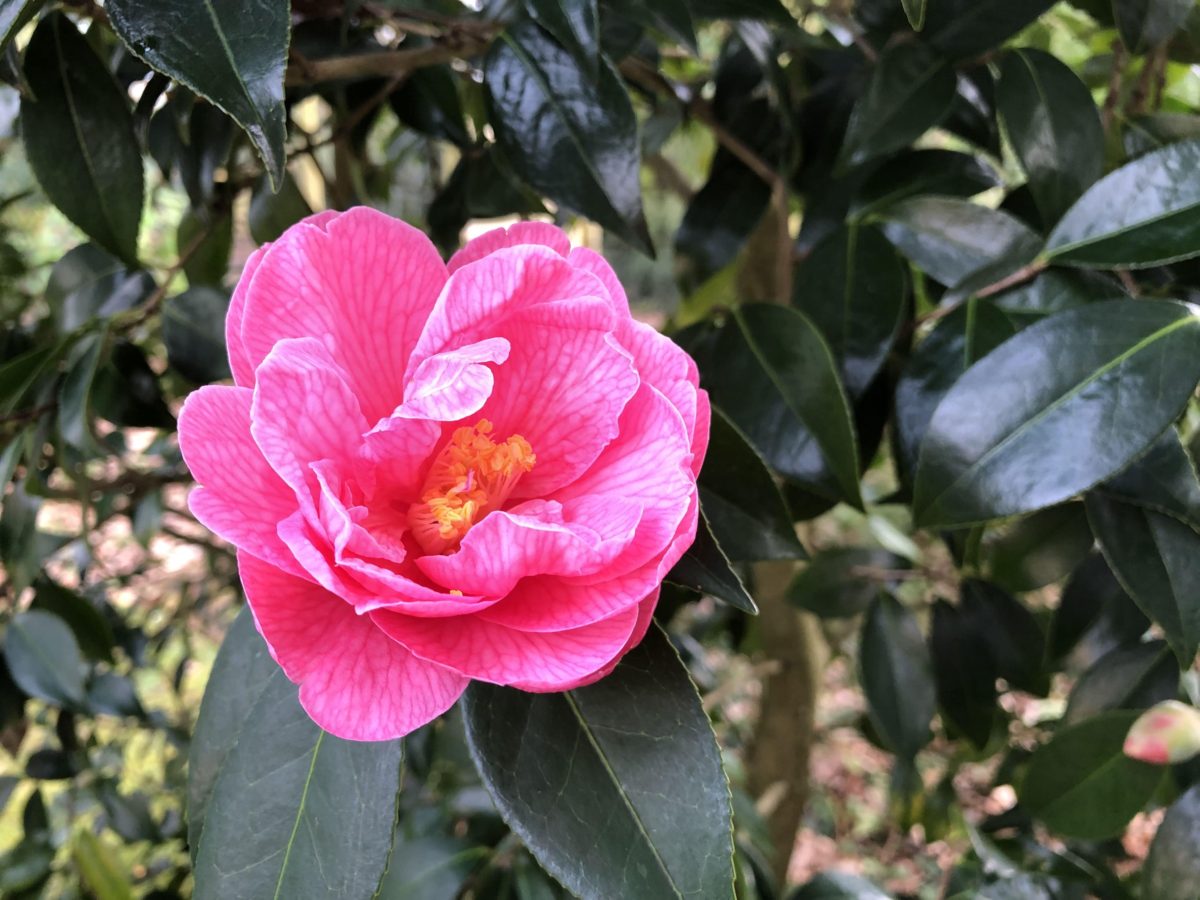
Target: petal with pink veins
[[240, 497], [591, 261], [513, 236], [355, 682], [500, 655], [362, 279], [645, 615], [452, 385]]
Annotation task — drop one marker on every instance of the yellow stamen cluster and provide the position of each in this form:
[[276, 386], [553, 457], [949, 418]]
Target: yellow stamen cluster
[[471, 476]]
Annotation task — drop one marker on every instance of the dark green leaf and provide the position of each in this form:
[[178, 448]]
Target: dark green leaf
[[964, 671], [79, 137], [13, 15], [428, 868], [428, 101], [75, 393], [957, 342], [776, 377], [480, 187], [1081, 785], [1012, 635], [910, 91], [741, 500], [1172, 870], [91, 629], [962, 28], [1054, 127], [1054, 291], [126, 390], [950, 238], [766, 10], [43, 658], [1150, 132], [672, 17], [569, 136], [271, 214], [209, 261], [897, 677], [232, 53], [576, 25], [89, 283], [719, 219], [1038, 549], [1157, 220], [1008, 436], [113, 695], [26, 866], [1163, 480], [706, 568], [241, 673], [1144, 24], [128, 814], [843, 581], [1095, 609], [206, 149], [1133, 677], [296, 812], [1157, 559], [914, 10], [640, 808], [853, 287], [923, 172], [49, 764], [193, 326]]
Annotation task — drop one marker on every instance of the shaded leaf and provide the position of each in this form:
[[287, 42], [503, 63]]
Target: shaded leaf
[[232, 53], [1038, 549], [1009, 436], [91, 629], [81, 114], [13, 15], [641, 805], [209, 261], [897, 677], [1163, 480], [843, 581], [273, 213], [1133, 677], [193, 328], [964, 671], [576, 25], [962, 28], [428, 868], [917, 172], [1172, 870], [1145, 24], [706, 568], [1011, 634], [428, 100], [44, 658], [1094, 604]]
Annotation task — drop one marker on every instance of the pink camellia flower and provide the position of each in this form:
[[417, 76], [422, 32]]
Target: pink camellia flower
[[435, 473]]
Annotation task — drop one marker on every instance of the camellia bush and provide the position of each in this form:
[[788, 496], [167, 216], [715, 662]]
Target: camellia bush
[[457, 450]]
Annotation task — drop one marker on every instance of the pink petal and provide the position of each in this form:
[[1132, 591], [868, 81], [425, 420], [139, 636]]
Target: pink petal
[[455, 384], [355, 682], [662, 364], [480, 296], [645, 615], [239, 360], [536, 538], [583, 380], [399, 449], [701, 431], [363, 281], [240, 497], [591, 261], [305, 411], [513, 236], [479, 649]]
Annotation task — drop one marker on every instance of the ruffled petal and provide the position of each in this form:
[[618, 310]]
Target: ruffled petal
[[355, 682], [480, 649], [645, 615], [363, 281], [597, 265], [455, 384], [240, 497], [513, 236], [239, 359], [536, 538]]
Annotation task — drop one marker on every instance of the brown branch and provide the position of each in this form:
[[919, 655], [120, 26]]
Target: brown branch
[[381, 65], [140, 314], [1023, 274]]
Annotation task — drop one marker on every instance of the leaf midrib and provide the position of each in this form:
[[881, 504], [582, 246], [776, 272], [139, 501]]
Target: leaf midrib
[[1074, 391], [287, 853]]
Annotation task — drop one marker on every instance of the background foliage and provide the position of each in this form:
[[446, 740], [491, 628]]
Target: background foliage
[[933, 259]]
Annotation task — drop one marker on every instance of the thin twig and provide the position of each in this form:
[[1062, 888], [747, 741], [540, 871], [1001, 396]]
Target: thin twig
[[140, 314], [1023, 274], [381, 65]]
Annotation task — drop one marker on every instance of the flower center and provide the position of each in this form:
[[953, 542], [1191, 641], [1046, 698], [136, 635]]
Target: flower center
[[472, 476]]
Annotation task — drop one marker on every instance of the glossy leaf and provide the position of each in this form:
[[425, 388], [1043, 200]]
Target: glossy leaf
[[1144, 24], [962, 28], [294, 810], [951, 239], [574, 23], [854, 289], [1054, 290], [1157, 559], [1134, 677], [917, 172], [1081, 785], [1163, 480], [81, 114], [429, 102], [843, 581], [776, 377], [705, 567], [741, 500], [241, 673], [897, 677], [89, 283], [1038, 549], [957, 342], [232, 53], [1158, 220], [91, 629], [641, 805], [1172, 870], [569, 136], [193, 328], [1054, 127], [720, 217], [44, 658], [910, 91], [480, 187], [1007, 437]]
